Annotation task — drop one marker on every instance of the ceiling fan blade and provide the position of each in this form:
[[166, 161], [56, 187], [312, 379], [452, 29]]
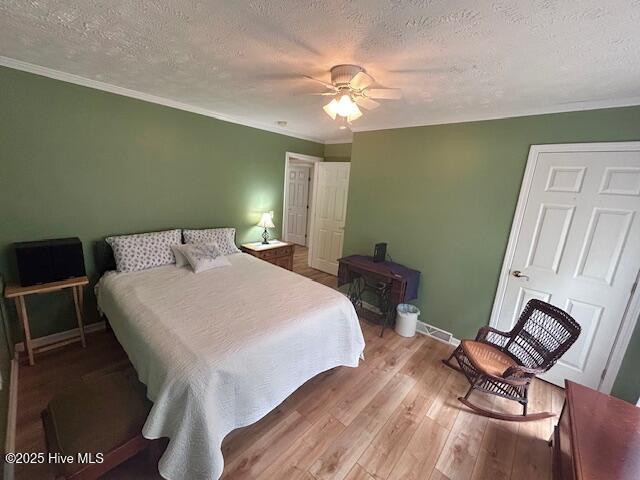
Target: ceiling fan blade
[[384, 93], [367, 103], [360, 81], [328, 85], [323, 93]]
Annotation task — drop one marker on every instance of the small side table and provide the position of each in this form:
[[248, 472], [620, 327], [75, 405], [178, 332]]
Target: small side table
[[18, 293], [275, 252]]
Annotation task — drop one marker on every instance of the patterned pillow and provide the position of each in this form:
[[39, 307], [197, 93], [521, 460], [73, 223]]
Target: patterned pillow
[[225, 237], [181, 260], [204, 256], [144, 250]]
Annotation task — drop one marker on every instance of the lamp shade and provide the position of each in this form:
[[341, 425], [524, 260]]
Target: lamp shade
[[345, 107], [331, 108], [266, 221]]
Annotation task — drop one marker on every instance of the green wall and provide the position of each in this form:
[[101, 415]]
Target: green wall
[[337, 152], [82, 162], [627, 384], [443, 197], [6, 353]]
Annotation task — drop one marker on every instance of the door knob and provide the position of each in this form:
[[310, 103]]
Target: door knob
[[519, 274]]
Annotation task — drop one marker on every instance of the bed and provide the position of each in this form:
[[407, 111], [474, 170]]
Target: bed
[[220, 349]]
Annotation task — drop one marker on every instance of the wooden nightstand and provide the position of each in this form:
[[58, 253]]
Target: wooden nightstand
[[276, 252]]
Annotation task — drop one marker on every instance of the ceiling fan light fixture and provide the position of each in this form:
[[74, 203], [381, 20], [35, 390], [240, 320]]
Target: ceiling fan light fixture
[[331, 108], [351, 87], [345, 106], [355, 114]]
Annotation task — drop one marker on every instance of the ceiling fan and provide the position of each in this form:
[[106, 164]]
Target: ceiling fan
[[351, 88]]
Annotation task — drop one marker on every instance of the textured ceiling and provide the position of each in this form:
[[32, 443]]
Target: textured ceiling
[[454, 60]]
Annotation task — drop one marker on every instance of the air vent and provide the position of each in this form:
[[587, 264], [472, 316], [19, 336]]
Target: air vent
[[437, 333], [424, 328]]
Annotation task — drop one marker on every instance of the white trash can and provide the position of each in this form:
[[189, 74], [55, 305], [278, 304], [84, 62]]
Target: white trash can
[[406, 319]]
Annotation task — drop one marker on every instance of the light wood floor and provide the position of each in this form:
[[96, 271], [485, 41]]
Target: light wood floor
[[300, 265], [394, 417]]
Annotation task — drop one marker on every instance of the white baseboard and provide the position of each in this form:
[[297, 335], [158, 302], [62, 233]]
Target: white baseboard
[[424, 328], [61, 336], [12, 413]]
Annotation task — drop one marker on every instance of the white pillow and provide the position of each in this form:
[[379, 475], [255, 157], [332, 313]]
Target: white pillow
[[225, 237], [204, 256], [144, 250], [181, 260]]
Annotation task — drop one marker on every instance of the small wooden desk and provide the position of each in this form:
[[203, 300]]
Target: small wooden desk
[[597, 437], [389, 281], [18, 293]]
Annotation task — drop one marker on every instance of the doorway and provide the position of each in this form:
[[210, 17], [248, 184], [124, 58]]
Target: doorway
[[297, 205], [314, 208], [574, 243], [297, 202], [330, 196]]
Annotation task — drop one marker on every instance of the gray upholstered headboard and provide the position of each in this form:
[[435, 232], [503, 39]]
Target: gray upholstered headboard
[[103, 257]]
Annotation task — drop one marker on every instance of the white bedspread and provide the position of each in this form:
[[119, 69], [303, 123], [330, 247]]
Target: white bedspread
[[220, 349]]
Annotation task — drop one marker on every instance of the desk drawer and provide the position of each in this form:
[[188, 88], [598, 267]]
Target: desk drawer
[[277, 253]]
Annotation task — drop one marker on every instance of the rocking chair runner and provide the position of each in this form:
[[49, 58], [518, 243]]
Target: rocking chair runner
[[505, 363]]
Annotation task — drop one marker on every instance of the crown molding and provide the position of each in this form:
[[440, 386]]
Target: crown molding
[[167, 102], [564, 108], [145, 97], [335, 141]]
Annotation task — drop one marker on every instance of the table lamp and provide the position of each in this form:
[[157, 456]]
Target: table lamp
[[266, 221]]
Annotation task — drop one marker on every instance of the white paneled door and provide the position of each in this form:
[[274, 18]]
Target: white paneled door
[[297, 203], [332, 186], [577, 246]]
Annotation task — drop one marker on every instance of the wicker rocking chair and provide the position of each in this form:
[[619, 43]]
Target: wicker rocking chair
[[505, 363]]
